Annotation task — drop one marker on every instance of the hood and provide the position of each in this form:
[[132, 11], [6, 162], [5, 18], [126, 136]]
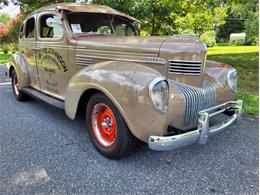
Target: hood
[[121, 43], [155, 52], [186, 57]]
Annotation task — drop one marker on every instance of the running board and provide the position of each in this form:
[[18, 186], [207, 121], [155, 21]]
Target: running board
[[42, 97]]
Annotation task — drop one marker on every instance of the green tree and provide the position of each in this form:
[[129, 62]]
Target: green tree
[[201, 16], [234, 24], [248, 11], [251, 29], [165, 17]]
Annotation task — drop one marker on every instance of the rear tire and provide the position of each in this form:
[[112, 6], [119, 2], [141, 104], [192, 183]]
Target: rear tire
[[107, 128], [18, 93]]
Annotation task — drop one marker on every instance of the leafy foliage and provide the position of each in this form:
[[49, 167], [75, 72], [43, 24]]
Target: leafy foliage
[[29, 6], [243, 16], [4, 18], [252, 30], [234, 24], [9, 31], [209, 38], [166, 17]]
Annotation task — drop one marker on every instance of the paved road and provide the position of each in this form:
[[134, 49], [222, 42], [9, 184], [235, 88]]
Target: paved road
[[43, 152]]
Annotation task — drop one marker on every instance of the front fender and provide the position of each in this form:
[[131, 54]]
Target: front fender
[[126, 85], [216, 73], [19, 63]]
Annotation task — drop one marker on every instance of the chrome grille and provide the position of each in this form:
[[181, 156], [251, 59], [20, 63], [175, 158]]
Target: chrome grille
[[196, 100], [185, 67]]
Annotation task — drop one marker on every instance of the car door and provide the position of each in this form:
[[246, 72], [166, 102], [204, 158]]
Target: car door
[[27, 43], [52, 55]]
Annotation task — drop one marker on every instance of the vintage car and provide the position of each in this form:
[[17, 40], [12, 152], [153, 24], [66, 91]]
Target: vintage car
[[91, 58]]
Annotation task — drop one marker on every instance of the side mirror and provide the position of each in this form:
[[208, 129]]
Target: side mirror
[[51, 22], [54, 22]]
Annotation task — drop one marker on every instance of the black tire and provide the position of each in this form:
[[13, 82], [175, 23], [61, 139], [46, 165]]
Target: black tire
[[18, 93], [124, 142]]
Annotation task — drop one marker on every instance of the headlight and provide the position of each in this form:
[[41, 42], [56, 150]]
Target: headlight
[[159, 94], [232, 80]]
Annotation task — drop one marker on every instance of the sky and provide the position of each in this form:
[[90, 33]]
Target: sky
[[11, 10]]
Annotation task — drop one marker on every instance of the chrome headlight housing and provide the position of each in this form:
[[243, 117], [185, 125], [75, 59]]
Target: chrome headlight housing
[[232, 80], [159, 94]]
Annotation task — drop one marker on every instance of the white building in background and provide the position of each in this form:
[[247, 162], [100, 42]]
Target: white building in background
[[237, 37]]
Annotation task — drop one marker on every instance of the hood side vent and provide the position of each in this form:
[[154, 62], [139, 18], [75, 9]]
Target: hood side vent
[[83, 61], [185, 67]]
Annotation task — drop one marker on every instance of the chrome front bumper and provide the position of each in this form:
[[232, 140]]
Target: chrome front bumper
[[201, 134]]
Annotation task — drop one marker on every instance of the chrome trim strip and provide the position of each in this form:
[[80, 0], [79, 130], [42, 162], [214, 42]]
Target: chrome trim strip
[[114, 58], [186, 71], [185, 64], [201, 134], [147, 58], [115, 52], [185, 68], [46, 45], [120, 56], [83, 61], [189, 74], [186, 61]]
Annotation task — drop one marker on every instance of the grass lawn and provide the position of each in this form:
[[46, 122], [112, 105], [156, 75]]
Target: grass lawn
[[246, 60], [4, 58]]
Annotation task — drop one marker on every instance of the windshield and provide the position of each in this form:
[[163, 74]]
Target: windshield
[[93, 24]]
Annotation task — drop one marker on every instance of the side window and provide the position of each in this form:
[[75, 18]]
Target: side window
[[30, 28], [50, 26], [124, 30], [104, 30]]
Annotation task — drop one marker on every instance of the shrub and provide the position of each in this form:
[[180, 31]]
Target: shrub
[[252, 30], [12, 47], [5, 48], [9, 31], [222, 42], [209, 38], [237, 42]]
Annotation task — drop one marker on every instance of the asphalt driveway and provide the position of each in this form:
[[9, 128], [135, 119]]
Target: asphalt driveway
[[44, 152]]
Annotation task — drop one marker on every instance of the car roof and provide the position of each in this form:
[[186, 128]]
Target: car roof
[[90, 8]]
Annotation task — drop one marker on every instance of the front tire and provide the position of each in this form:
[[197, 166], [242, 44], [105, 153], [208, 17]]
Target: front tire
[[18, 93], [107, 128]]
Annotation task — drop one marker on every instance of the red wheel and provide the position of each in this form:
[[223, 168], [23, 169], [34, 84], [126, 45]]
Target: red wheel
[[104, 124], [107, 128]]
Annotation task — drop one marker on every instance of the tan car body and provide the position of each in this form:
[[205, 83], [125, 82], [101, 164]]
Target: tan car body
[[120, 67]]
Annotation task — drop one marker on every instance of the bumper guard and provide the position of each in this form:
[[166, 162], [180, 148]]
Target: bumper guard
[[201, 134]]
